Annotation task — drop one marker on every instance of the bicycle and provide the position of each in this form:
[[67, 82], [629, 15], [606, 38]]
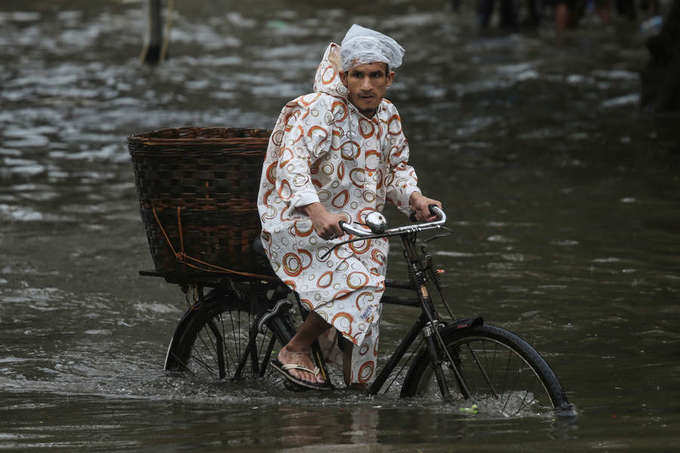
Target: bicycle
[[234, 330]]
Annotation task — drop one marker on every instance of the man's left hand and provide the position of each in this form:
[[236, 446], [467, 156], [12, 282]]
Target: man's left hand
[[421, 206]]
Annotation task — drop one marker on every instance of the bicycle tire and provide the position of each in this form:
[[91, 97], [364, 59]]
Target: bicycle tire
[[211, 341], [501, 370]]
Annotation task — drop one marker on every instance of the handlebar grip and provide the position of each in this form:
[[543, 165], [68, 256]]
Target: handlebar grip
[[433, 211]]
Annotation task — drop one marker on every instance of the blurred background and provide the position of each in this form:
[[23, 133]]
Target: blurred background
[[562, 193]]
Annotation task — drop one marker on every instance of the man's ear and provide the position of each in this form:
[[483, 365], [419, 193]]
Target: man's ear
[[390, 78], [343, 78]]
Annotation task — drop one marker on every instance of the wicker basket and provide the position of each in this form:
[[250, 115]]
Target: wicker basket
[[197, 190]]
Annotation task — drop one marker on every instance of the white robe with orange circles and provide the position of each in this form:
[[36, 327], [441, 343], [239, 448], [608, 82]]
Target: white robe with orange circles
[[324, 150]]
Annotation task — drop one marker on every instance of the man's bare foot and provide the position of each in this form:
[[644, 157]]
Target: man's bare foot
[[297, 351], [328, 341], [301, 358]]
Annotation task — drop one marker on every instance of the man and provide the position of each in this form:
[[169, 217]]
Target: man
[[337, 154]]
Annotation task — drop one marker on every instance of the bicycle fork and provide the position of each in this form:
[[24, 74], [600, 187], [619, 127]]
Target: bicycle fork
[[436, 360], [435, 343], [435, 346]]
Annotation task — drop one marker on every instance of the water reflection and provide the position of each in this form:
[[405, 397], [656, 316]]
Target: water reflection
[[101, 423]]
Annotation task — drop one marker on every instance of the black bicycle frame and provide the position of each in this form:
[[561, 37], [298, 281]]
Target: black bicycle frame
[[427, 322]]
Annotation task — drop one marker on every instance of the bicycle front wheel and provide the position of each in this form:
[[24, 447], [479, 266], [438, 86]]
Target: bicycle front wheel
[[496, 369], [218, 338]]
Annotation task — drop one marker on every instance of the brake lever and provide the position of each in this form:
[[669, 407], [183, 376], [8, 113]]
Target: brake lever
[[356, 239], [377, 221], [448, 232]]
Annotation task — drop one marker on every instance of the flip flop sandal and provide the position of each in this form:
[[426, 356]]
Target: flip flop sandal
[[285, 371]]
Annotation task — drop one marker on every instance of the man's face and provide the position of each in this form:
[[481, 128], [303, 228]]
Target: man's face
[[367, 84]]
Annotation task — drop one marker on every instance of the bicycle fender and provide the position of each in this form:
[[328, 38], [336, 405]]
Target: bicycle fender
[[467, 323]]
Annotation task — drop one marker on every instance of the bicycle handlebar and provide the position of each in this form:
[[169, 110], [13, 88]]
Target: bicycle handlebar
[[375, 233]]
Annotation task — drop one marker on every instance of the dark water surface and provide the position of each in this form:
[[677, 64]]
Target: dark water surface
[[563, 197]]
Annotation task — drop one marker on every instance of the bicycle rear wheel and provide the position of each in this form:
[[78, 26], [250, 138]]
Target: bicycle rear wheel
[[218, 338], [501, 371]]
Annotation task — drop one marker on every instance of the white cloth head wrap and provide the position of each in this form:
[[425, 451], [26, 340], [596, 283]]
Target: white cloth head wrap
[[362, 46]]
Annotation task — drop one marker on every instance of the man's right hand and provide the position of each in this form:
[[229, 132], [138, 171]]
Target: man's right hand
[[421, 205], [325, 224]]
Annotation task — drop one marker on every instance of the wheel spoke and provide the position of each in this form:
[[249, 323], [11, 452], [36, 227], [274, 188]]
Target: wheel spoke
[[204, 364], [208, 345], [483, 371], [227, 352], [524, 404]]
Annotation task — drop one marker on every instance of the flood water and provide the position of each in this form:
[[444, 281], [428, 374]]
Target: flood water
[[562, 196]]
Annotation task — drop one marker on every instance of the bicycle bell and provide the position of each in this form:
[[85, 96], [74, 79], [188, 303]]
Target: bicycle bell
[[376, 222]]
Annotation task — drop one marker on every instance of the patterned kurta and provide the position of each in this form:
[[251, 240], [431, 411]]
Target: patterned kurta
[[324, 150]]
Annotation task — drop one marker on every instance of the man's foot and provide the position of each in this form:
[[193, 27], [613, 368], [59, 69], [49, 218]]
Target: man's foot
[[328, 341], [294, 361], [293, 383], [300, 366]]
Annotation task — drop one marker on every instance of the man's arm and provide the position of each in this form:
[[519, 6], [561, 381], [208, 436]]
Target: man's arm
[[298, 151]]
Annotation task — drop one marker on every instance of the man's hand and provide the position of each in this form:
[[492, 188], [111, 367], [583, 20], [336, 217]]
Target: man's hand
[[325, 224], [421, 207]]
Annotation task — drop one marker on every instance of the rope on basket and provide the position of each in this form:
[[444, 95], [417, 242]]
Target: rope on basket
[[185, 259]]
